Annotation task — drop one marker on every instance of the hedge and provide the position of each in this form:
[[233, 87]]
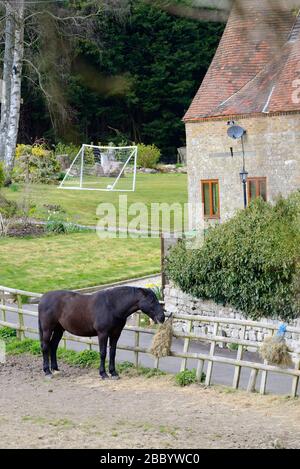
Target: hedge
[[251, 262]]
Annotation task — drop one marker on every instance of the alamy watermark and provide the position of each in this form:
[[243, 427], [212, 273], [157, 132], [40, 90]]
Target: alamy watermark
[[141, 220]]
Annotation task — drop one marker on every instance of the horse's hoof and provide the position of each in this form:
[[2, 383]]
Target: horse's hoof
[[48, 376], [56, 372], [104, 376], [115, 377]]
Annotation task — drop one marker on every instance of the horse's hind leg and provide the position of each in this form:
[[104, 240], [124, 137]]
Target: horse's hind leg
[[102, 338], [113, 339], [45, 345], [57, 335]]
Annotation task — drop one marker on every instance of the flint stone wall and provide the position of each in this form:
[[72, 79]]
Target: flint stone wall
[[181, 303]]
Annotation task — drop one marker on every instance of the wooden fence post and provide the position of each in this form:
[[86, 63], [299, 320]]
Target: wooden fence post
[[199, 370], [295, 381], [252, 380], [264, 375], [186, 345], [3, 303], [90, 345], [239, 356], [20, 332], [211, 354]]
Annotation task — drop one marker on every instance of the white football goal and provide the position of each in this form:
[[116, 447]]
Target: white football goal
[[107, 168]]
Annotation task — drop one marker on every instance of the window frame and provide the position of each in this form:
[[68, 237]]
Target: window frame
[[211, 216], [256, 179]]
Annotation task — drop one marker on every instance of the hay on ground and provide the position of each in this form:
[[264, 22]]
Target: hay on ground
[[275, 351], [162, 340]]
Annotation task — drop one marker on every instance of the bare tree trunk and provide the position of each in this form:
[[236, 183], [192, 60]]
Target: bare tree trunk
[[7, 73], [15, 95]]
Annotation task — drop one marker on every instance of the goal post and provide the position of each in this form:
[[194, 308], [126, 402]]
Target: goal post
[[102, 168]]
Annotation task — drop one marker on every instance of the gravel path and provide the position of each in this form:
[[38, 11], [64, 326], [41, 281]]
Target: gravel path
[[77, 410]]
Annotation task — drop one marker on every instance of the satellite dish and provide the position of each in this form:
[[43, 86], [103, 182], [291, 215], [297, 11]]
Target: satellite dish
[[235, 132]]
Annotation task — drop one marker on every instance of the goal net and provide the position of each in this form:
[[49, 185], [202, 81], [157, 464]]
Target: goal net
[[102, 169]]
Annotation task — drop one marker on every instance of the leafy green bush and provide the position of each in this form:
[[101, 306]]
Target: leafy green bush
[[187, 377], [251, 262], [67, 149], [71, 150], [35, 163], [55, 226], [148, 156], [7, 334], [57, 223], [60, 226], [8, 208]]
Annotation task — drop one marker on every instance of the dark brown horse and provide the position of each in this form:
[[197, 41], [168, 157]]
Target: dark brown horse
[[103, 314]]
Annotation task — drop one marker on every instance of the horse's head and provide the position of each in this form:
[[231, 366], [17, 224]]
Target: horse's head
[[150, 305]]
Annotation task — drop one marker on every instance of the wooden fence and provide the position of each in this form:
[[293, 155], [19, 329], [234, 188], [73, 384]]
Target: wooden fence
[[13, 301]]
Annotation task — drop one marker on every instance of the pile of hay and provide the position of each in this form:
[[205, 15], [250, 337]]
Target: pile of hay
[[162, 340], [275, 351]]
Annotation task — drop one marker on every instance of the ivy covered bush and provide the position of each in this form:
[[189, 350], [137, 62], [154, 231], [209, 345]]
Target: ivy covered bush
[[251, 262], [35, 163]]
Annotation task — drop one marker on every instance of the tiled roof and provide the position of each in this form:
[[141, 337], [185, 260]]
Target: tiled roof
[[256, 63]]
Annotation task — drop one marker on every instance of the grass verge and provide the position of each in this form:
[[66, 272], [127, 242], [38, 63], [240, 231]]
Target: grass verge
[[83, 359]]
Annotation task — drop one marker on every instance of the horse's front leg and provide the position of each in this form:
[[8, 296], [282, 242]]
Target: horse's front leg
[[102, 338]]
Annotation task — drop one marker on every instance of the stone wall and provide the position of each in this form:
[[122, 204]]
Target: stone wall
[[272, 146], [178, 302]]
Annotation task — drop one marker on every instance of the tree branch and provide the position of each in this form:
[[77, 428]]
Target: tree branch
[[48, 96], [64, 18]]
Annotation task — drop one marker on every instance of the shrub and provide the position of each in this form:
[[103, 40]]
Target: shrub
[[67, 149], [35, 163], [7, 333], [56, 223], [55, 226], [148, 156], [250, 262], [8, 208], [187, 377]]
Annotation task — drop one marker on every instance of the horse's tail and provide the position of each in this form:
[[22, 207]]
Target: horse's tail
[[40, 331]]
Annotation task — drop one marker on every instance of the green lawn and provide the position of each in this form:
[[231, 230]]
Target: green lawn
[[74, 261], [80, 206], [82, 259]]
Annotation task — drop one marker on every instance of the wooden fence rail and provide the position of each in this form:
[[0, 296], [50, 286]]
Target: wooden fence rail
[[17, 302]]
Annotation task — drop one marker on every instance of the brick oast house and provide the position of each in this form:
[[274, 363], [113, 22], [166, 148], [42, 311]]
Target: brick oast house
[[254, 80]]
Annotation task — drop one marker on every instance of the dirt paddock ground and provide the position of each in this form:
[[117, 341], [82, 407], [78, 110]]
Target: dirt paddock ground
[[77, 410]]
